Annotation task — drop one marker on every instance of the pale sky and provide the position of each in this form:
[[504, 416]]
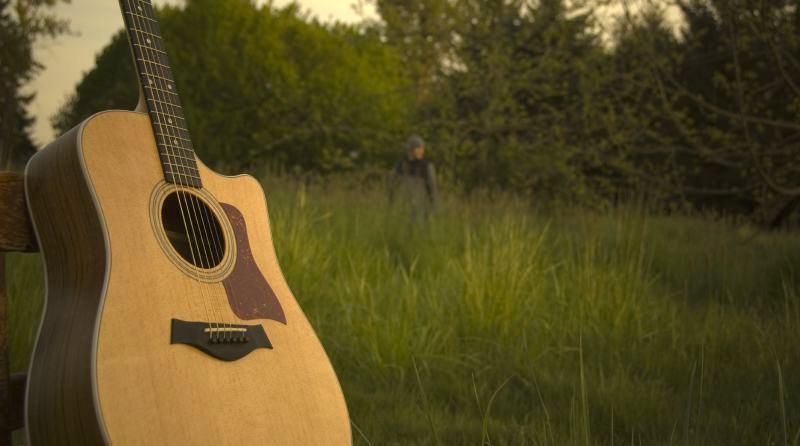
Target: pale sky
[[95, 21]]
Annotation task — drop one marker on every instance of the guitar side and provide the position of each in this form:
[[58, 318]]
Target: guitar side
[[60, 398], [124, 382]]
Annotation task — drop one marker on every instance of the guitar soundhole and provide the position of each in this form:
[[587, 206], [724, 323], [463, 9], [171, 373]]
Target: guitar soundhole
[[192, 229]]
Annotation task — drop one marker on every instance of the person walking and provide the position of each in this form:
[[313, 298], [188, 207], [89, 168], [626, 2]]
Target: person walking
[[413, 183]]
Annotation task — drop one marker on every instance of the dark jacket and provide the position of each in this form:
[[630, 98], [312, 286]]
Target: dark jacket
[[416, 176]]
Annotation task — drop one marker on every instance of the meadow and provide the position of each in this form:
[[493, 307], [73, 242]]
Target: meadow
[[499, 323]]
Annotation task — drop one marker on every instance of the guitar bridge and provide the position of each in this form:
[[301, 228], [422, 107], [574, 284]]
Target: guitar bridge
[[223, 341], [226, 335]]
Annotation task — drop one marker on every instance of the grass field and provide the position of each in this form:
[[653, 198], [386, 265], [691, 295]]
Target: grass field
[[497, 324]]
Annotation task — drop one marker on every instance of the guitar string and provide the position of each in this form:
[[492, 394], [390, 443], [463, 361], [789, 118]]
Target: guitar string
[[219, 251], [138, 35], [176, 175], [180, 170], [202, 222]]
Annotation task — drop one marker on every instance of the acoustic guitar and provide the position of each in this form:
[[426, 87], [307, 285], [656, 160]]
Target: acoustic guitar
[[167, 318]]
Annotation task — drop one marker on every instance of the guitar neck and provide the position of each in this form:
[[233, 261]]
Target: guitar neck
[[160, 93]]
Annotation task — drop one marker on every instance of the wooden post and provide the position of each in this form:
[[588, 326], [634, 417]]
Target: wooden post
[[5, 402], [16, 234]]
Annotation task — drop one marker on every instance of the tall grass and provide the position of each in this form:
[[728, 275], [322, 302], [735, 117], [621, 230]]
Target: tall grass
[[494, 324]]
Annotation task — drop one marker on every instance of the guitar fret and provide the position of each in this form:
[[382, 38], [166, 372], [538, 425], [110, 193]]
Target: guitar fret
[[150, 48], [147, 45], [155, 63], [177, 179], [173, 137], [178, 182], [186, 175], [162, 102], [180, 165], [171, 148], [168, 169], [142, 37], [180, 170], [171, 143], [157, 76], [184, 163], [146, 39], [169, 82], [155, 36], [178, 157], [167, 114], [169, 122], [171, 102], [139, 15], [188, 160], [161, 90], [168, 147], [178, 128]]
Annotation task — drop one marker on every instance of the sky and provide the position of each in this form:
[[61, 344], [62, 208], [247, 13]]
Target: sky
[[94, 22]]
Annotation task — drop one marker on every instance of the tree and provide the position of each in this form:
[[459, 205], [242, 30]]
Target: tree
[[529, 96], [728, 91], [263, 86], [111, 84], [22, 22], [510, 78], [425, 33]]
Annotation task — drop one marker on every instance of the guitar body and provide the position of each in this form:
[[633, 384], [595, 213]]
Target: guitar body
[[109, 364]]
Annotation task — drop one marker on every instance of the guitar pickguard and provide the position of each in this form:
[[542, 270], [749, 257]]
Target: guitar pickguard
[[249, 294]]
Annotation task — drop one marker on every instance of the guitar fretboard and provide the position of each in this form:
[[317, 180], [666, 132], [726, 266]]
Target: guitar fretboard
[[163, 103]]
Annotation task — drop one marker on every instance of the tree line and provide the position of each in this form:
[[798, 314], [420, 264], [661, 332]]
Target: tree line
[[554, 100]]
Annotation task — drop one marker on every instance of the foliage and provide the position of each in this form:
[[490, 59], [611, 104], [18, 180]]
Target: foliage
[[495, 324], [725, 96], [514, 76], [111, 84], [264, 86], [22, 22], [538, 99], [541, 98]]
